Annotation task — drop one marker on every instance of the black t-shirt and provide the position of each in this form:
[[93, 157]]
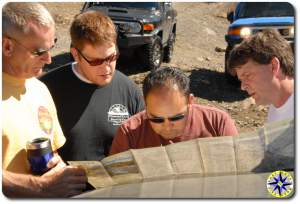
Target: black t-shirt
[[89, 114]]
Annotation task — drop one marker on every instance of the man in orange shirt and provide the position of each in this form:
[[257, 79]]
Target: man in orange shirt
[[170, 115]]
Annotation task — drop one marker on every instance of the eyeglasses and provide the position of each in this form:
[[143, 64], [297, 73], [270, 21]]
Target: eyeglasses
[[171, 119], [98, 62], [39, 51]]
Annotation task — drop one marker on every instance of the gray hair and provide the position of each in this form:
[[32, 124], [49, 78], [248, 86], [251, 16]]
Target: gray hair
[[17, 15]]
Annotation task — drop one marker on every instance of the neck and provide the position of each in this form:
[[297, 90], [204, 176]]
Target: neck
[[79, 74], [7, 68], [77, 69], [286, 89]]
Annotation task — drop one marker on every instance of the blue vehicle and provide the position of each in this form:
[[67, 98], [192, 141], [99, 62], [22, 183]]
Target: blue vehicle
[[252, 17]]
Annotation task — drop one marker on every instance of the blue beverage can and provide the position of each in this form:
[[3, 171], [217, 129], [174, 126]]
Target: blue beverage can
[[39, 153]]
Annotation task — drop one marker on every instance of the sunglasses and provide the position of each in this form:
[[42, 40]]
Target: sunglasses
[[98, 62], [171, 119], [39, 51]]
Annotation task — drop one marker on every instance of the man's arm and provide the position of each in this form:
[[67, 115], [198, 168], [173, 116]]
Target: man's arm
[[228, 127], [120, 142], [20, 185], [59, 181], [137, 100]]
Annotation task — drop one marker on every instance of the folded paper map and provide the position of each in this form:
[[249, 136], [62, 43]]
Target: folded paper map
[[267, 149]]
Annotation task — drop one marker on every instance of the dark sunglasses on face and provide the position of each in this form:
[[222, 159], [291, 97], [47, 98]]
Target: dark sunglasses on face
[[171, 119], [98, 62], [39, 51]]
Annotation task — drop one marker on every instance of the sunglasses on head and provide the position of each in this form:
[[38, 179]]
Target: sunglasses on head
[[171, 119], [98, 62], [39, 51]]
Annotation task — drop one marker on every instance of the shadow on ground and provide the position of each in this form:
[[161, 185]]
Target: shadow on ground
[[130, 66], [212, 85]]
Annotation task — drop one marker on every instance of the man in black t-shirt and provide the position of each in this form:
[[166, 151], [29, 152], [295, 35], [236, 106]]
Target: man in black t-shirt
[[91, 96]]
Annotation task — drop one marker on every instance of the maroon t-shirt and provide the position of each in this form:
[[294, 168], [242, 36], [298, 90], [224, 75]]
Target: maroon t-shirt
[[203, 121]]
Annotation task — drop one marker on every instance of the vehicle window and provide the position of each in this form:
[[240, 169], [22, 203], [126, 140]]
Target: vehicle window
[[147, 5], [265, 9]]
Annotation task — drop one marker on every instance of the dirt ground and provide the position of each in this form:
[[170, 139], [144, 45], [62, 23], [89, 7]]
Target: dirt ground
[[199, 51]]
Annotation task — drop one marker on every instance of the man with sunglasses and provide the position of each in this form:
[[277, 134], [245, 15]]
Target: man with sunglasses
[[91, 96], [170, 115], [28, 109]]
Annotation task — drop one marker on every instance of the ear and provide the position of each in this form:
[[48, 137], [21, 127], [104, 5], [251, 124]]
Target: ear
[[191, 99], [7, 47], [74, 53], [275, 66]]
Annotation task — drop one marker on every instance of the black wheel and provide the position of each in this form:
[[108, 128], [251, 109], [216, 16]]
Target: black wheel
[[168, 50], [153, 54]]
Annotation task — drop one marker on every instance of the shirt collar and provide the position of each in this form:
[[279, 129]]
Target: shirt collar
[[79, 76]]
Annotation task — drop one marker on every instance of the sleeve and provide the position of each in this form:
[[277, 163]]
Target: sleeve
[[58, 136], [228, 127], [120, 142], [139, 104]]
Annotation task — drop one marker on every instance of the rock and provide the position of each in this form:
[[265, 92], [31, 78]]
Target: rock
[[210, 31], [219, 49], [222, 15], [200, 59], [247, 103], [262, 108]]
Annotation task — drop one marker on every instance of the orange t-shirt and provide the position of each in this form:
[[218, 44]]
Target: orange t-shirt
[[203, 121]]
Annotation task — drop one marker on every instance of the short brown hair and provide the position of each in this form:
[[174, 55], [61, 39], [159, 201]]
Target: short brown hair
[[262, 48], [92, 27]]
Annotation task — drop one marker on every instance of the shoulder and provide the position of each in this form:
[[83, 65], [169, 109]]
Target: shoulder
[[37, 87], [135, 122], [120, 75], [56, 74], [34, 83], [216, 120], [209, 111], [123, 79], [124, 84]]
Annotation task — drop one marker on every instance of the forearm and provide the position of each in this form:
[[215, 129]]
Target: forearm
[[60, 181], [26, 185], [21, 185]]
